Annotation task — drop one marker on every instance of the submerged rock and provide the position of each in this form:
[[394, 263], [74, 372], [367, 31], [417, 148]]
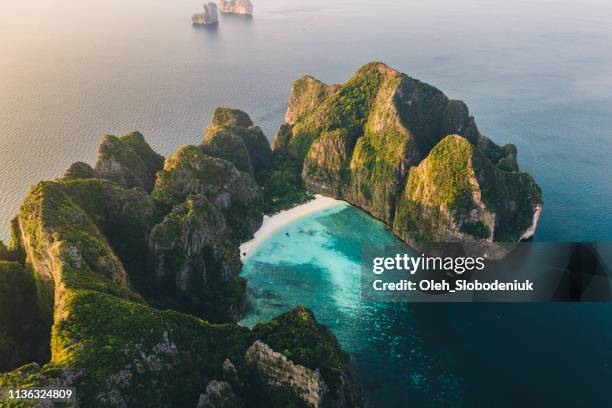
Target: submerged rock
[[362, 140], [236, 7], [208, 16]]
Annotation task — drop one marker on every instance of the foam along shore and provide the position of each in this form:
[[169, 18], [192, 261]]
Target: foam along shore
[[273, 223]]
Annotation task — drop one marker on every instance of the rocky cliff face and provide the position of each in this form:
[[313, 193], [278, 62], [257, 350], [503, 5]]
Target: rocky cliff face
[[189, 171], [128, 161], [101, 255], [236, 6], [208, 16], [457, 194], [282, 375], [361, 141], [232, 136], [194, 258]]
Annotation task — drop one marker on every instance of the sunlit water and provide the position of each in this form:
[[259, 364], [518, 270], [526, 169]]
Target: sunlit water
[[534, 73], [430, 355]]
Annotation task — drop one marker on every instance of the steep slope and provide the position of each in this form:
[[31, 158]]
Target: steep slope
[[233, 136], [456, 194], [189, 171], [359, 141], [100, 254], [129, 161]]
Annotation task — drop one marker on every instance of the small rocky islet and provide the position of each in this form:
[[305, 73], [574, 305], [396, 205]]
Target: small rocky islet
[[210, 15], [128, 271]]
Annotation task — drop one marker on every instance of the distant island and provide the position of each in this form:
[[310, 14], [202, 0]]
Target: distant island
[[208, 16], [236, 7], [122, 279]]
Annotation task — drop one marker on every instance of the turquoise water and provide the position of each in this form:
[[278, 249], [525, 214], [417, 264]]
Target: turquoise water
[[429, 355]]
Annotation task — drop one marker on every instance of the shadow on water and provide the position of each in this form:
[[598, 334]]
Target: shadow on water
[[210, 29], [238, 18]]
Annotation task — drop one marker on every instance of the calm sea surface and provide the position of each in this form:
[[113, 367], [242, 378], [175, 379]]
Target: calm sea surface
[[535, 73]]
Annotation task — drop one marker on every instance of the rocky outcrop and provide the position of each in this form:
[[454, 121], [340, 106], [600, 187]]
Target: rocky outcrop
[[219, 394], [236, 7], [312, 377], [208, 16], [189, 171], [457, 194], [193, 257], [80, 171], [361, 142], [128, 161], [232, 136], [283, 376], [86, 242]]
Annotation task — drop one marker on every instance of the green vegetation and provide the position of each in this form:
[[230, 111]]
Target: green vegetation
[[380, 142], [445, 178], [128, 161], [24, 332], [478, 230], [224, 144], [231, 118], [91, 252], [281, 184]]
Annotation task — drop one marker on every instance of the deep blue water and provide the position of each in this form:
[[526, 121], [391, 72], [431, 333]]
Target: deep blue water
[[430, 355]]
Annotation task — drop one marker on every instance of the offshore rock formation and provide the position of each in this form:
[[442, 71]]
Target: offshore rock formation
[[368, 142], [102, 261], [233, 136], [236, 7], [208, 16]]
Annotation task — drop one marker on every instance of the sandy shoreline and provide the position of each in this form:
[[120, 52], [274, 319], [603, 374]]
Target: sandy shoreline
[[278, 221]]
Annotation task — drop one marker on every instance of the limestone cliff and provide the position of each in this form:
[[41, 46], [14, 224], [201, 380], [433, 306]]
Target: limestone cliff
[[98, 255], [359, 141], [236, 7], [129, 161], [457, 194], [189, 171], [279, 373], [208, 16], [195, 260], [233, 136]]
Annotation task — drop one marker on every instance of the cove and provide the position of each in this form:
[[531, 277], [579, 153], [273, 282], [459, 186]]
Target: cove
[[428, 355]]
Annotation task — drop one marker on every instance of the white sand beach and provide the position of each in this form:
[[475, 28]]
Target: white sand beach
[[273, 223]]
